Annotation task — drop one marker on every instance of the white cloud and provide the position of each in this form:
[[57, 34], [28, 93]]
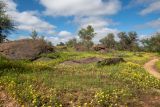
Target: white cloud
[[96, 22], [103, 32], [143, 37], [137, 2], [153, 7], [62, 36], [85, 12], [99, 24], [81, 7], [28, 20], [142, 3], [23, 37], [155, 24]]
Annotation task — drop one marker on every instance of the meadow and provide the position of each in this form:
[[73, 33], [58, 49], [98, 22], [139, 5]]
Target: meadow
[[54, 84]]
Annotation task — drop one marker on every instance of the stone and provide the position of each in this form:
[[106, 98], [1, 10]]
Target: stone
[[26, 49]]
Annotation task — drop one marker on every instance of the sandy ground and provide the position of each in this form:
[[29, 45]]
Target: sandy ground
[[150, 67], [5, 100]]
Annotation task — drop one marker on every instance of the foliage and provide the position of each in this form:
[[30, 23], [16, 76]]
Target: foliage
[[110, 61], [51, 55], [6, 23], [158, 66], [61, 44], [72, 42], [87, 35], [109, 41], [34, 35], [152, 43], [128, 42], [54, 84]]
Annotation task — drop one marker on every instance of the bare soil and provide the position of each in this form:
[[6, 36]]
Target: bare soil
[[150, 67], [6, 100]]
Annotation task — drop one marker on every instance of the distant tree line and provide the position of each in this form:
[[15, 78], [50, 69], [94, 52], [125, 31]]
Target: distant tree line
[[125, 41], [151, 44]]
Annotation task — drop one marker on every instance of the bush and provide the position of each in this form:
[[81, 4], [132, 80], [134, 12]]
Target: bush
[[18, 66]]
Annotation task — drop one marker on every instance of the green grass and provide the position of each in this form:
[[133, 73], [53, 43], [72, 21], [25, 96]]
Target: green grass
[[158, 66], [54, 84]]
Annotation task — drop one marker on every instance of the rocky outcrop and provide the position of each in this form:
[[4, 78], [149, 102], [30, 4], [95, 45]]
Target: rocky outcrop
[[83, 61], [110, 61], [26, 49], [99, 47]]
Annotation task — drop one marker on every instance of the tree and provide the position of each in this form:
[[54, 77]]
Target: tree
[[146, 44], [42, 37], [152, 43], [128, 41], [6, 24], [133, 45], [109, 41], [34, 35], [72, 42], [123, 40], [49, 43], [86, 36], [61, 44]]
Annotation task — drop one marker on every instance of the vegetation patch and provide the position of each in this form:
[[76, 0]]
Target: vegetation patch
[[158, 66], [50, 83], [110, 61]]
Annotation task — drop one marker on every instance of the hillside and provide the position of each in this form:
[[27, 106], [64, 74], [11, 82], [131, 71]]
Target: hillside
[[53, 83]]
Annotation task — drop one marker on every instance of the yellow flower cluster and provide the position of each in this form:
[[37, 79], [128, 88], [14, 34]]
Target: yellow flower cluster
[[111, 98]]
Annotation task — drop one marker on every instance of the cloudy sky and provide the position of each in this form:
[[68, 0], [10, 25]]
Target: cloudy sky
[[60, 20]]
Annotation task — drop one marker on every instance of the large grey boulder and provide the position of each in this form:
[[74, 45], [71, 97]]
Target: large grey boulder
[[26, 49]]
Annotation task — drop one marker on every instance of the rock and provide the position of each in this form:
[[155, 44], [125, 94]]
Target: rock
[[110, 61], [83, 61], [26, 49], [99, 47], [80, 48]]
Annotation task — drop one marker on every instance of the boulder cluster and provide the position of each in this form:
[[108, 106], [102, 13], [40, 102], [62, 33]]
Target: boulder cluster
[[26, 49]]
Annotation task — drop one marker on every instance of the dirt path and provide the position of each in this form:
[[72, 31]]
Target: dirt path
[[5, 100], [150, 67]]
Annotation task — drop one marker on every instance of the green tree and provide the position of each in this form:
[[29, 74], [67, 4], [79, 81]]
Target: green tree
[[49, 43], [123, 40], [152, 43], [34, 35], [128, 41], [61, 44], [6, 24], [72, 42], [133, 41], [86, 36], [146, 44], [109, 41]]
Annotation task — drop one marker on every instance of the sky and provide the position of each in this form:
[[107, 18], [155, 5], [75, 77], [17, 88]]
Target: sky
[[60, 20]]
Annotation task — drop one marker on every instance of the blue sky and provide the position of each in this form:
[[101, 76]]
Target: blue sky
[[60, 20]]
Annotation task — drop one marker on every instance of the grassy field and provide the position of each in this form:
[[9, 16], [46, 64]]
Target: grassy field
[[50, 83]]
